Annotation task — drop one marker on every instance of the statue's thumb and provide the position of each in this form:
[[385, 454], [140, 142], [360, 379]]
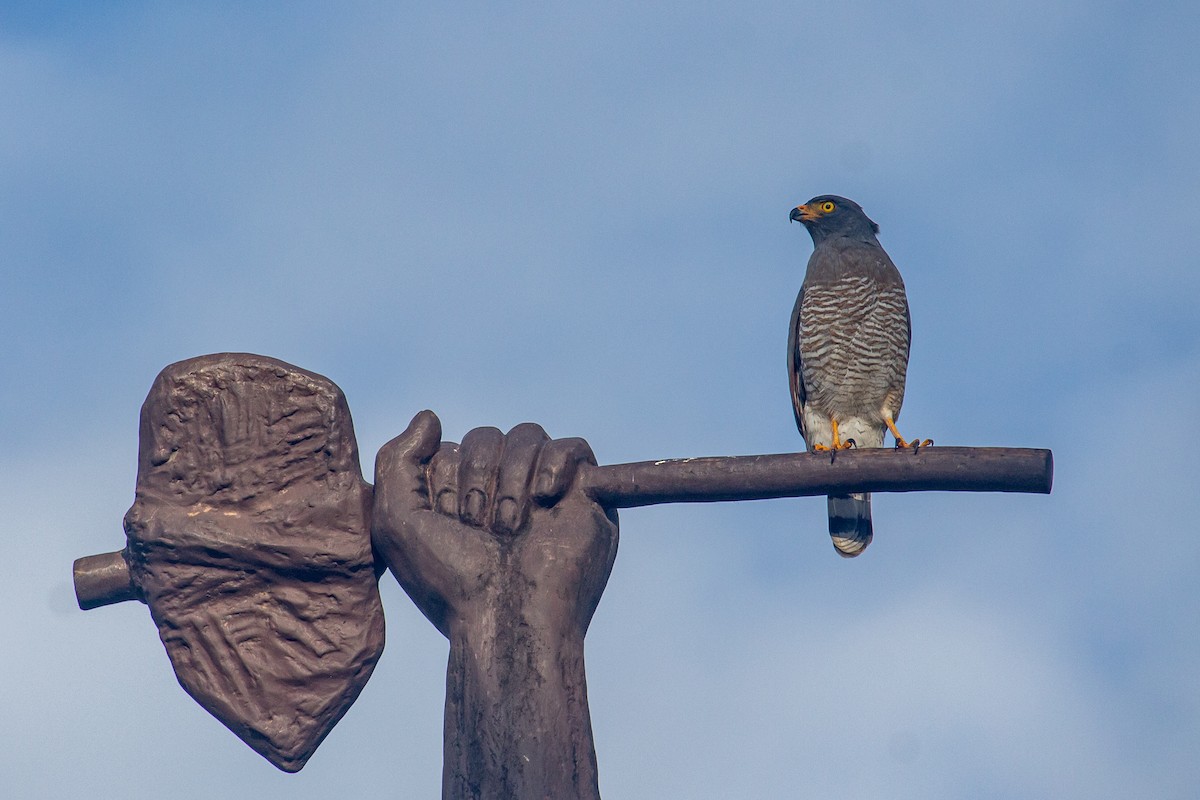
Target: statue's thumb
[[404, 458]]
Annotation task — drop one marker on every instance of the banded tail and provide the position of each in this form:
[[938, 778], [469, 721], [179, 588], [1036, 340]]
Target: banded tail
[[850, 523]]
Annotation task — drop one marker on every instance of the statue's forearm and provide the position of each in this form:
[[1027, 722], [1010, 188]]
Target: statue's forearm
[[517, 722]]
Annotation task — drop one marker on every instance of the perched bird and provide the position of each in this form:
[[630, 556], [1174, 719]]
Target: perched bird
[[847, 349]]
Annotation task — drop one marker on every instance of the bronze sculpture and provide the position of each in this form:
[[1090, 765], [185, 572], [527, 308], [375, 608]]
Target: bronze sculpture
[[507, 557], [248, 540], [251, 536]]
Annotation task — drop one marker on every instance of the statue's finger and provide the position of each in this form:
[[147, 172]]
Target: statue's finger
[[443, 479], [557, 466], [479, 458], [521, 448]]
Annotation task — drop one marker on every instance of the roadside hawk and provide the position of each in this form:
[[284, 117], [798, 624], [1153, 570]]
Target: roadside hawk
[[847, 349]]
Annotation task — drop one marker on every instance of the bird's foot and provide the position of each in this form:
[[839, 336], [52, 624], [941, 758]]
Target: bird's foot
[[837, 445], [901, 444]]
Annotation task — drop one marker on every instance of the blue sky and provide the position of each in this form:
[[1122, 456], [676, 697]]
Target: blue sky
[[577, 216]]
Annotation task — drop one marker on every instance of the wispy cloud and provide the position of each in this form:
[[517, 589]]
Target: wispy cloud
[[576, 216]]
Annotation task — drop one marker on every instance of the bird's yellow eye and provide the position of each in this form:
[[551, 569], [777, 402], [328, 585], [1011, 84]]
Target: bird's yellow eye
[[827, 206]]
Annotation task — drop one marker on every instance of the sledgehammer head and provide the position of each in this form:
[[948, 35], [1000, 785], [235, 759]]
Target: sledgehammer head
[[249, 539]]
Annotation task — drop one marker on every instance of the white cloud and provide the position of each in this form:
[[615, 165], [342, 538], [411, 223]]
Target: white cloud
[[578, 218]]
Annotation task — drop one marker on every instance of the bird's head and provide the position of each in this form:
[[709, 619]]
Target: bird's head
[[829, 215]]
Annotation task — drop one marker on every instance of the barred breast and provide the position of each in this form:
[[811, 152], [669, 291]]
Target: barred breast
[[853, 342]]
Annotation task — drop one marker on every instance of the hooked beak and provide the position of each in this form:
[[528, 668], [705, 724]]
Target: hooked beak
[[801, 214]]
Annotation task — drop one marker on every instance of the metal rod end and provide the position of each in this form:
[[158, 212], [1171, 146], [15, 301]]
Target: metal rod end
[[102, 580]]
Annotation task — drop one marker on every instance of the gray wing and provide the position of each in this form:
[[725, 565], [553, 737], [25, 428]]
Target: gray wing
[[795, 367]]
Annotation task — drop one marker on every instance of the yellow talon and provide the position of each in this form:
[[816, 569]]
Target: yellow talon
[[914, 444], [838, 444], [900, 442]]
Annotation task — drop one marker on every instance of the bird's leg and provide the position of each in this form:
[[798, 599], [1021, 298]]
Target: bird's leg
[[900, 443], [838, 444]]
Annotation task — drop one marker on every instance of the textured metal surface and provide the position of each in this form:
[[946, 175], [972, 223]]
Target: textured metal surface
[[250, 538], [496, 544]]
